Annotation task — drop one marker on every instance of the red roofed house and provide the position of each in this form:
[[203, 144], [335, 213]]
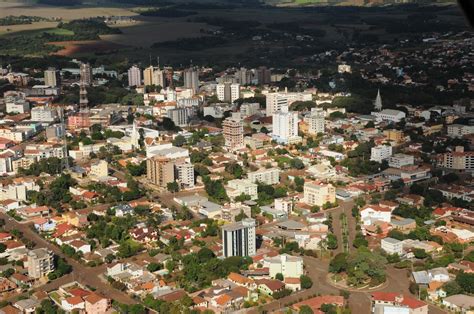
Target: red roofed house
[[316, 302], [393, 299], [96, 304], [33, 212], [269, 286], [73, 303]]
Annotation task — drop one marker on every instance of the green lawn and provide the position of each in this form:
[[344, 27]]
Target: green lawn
[[60, 31]]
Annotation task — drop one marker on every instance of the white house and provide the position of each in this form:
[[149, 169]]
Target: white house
[[371, 213], [287, 265]]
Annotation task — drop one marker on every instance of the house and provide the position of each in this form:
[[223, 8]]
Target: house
[[21, 280], [240, 280], [292, 283], [316, 302], [384, 302], [371, 213], [80, 246], [439, 274], [459, 303], [96, 304], [33, 212], [9, 310], [73, 303], [269, 286], [6, 285], [26, 305]]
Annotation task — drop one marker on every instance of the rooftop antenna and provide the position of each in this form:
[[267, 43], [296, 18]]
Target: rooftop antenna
[[158, 61], [150, 59]]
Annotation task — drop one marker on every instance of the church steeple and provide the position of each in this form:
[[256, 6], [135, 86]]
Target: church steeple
[[378, 101]]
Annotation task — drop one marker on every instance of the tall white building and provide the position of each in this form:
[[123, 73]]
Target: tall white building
[[134, 76], [184, 173], [316, 121], [287, 265], [401, 160], [228, 92], [285, 126], [380, 153], [85, 72], [52, 77], [276, 101], [238, 187], [238, 239]]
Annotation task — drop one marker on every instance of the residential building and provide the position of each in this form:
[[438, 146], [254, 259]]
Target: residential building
[[40, 262], [228, 92], [44, 114], [458, 160], [238, 187], [17, 104], [160, 170], [85, 72], [233, 130], [459, 303], [459, 130], [401, 160], [392, 246], [393, 135], [239, 239], [344, 68], [392, 302], [148, 75], [185, 174], [52, 77], [191, 79], [99, 169], [276, 101], [179, 116], [287, 265], [268, 176], [96, 304], [316, 121], [264, 75], [284, 205], [285, 126], [249, 109], [371, 213], [134, 76], [319, 193], [380, 153]]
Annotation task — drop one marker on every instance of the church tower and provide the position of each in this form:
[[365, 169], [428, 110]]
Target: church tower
[[378, 102]]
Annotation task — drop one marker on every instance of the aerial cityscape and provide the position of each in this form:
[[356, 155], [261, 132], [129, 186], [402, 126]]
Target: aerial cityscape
[[247, 156]]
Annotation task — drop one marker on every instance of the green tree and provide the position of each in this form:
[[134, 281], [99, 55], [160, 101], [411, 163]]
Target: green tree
[[179, 141], [331, 241], [305, 310], [306, 282], [279, 276]]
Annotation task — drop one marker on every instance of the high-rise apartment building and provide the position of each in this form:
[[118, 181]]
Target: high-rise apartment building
[[264, 75], [40, 263], [316, 121], [85, 72], [191, 79], [285, 126], [238, 239], [228, 92], [134, 76], [243, 76], [269, 176], [148, 75], [180, 116], [52, 77], [233, 130], [160, 170], [154, 76]]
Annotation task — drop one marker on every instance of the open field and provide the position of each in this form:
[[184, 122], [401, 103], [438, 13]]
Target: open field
[[9, 29], [71, 48], [64, 13]]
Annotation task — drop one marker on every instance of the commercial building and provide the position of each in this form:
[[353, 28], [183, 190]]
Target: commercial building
[[134, 76], [238, 239], [316, 121], [380, 153], [267, 176], [287, 265], [52, 77], [401, 160], [285, 126], [233, 130], [228, 92], [389, 115], [40, 262], [392, 246], [319, 193]]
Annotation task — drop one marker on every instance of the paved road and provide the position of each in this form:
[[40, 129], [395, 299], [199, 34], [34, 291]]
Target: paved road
[[83, 274]]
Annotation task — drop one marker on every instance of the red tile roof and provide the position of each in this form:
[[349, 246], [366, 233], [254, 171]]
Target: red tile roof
[[393, 296]]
